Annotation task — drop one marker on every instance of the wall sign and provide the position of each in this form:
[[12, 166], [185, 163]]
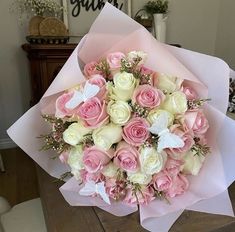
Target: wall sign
[[80, 14]]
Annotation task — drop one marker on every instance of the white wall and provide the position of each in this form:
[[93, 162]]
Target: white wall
[[14, 77], [201, 25], [225, 39], [191, 23]]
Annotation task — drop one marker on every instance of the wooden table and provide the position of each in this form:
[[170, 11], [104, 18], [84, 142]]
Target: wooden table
[[61, 217]]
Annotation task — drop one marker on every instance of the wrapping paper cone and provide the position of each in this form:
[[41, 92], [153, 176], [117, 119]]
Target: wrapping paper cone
[[114, 31]]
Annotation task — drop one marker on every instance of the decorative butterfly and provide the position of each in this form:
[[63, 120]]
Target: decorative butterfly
[[166, 139], [89, 91], [91, 188]]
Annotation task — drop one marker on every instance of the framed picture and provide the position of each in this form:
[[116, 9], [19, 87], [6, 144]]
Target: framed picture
[[79, 14]]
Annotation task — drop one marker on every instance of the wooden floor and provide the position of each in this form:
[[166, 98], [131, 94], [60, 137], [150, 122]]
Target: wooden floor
[[19, 182]]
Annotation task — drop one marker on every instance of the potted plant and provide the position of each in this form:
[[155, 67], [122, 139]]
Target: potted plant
[[158, 9]]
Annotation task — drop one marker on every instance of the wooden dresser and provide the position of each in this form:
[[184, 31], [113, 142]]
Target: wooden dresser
[[45, 63]]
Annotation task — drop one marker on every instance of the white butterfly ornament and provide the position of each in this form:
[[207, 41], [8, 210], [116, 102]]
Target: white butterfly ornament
[[89, 91], [166, 139], [91, 188]]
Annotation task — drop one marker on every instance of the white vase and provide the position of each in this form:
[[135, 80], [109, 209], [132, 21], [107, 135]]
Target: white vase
[[160, 27]]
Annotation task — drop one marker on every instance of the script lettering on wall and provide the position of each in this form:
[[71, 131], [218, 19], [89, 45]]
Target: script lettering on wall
[[91, 5], [80, 14]]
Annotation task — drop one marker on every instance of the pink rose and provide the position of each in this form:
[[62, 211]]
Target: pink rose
[[115, 189], [162, 181], [126, 157], [86, 176], [187, 137], [190, 93], [179, 185], [64, 157], [143, 197], [90, 69], [61, 110], [93, 112], [99, 80], [173, 166], [114, 60], [135, 132], [196, 121], [95, 159], [147, 96], [146, 71]]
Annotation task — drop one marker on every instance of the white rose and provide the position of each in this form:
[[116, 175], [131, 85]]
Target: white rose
[[151, 162], [135, 54], [104, 137], [169, 83], [75, 160], [124, 85], [193, 163], [175, 103], [110, 170], [74, 133], [155, 113], [139, 178], [119, 111]]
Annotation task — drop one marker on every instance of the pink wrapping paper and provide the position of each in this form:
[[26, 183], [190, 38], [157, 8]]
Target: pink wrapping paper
[[114, 31]]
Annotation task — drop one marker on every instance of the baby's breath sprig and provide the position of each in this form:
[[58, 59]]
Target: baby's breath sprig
[[87, 140], [58, 124], [121, 176], [54, 140], [136, 188], [54, 143], [137, 75], [197, 103], [200, 149], [51, 119], [103, 67], [138, 110], [158, 194], [126, 66], [130, 65], [151, 142], [147, 144], [136, 61], [161, 195], [145, 79], [120, 185]]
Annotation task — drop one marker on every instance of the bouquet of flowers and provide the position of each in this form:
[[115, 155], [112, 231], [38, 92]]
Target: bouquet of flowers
[[129, 119], [129, 133]]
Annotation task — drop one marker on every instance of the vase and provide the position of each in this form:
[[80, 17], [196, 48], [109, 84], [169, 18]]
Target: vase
[[160, 27]]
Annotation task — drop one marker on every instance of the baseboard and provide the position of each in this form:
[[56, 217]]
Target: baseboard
[[7, 143]]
